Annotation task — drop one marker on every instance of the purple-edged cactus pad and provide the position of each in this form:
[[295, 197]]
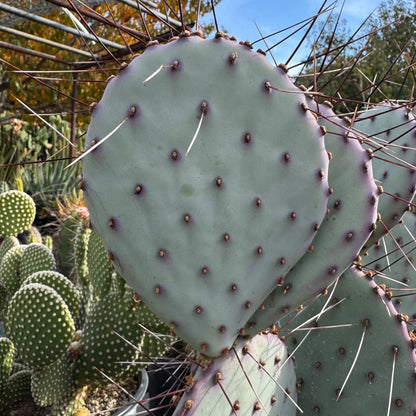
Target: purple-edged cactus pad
[[352, 213], [256, 377], [207, 182]]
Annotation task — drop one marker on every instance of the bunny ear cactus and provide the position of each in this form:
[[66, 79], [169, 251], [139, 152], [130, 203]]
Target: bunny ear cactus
[[106, 337], [80, 248], [7, 243], [100, 270], [351, 217], [390, 130], [62, 285], [36, 257], [353, 355], [208, 196], [17, 389], [6, 361], [50, 384], [17, 212], [9, 268], [40, 324], [255, 377]]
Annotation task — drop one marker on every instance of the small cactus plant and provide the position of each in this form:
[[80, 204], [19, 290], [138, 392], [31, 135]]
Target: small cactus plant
[[64, 332]]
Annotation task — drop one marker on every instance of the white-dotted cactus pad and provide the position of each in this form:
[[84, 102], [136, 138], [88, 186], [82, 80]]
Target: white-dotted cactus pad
[[17, 212], [63, 286], [110, 326], [204, 229], [39, 324]]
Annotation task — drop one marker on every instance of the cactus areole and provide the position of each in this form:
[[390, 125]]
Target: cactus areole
[[206, 178]]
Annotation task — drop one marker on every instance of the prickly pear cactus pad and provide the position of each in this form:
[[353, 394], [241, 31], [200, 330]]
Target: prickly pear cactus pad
[[357, 358], [50, 383], [99, 266], [7, 243], [391, 130], [391, 261], [352, 213], [255, 377], [212, 184], [40, 325], [36, 257], [63, 286], [17, 212], [6, 360]]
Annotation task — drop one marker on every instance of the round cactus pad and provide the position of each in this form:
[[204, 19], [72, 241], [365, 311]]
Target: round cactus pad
[[255, 377], [356, 358], [39, 324], [211, 185], [352, 213], [17, 212]]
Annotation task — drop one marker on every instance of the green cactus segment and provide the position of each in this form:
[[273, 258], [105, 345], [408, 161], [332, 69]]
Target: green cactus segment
[[3, 297], [184, 222], [255, 377], [9, 268], [6, 360], [82, 236], [152, 346], [347, 226], [332, 378], [391, 129], [63, 286], [17, 212], [392, 263], [102, 345], [51, 383], [36, 257], [16, 390], [7, 243], [99, 266], [4, 187], [40, 325], [47, 241]]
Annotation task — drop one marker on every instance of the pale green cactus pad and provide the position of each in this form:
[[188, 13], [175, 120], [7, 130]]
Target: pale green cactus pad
[[208, 196], [40, 325], [255, 377], [356, 358], [17, 212], [390, 130]]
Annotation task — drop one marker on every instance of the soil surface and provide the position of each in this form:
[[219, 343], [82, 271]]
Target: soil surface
[[104, 400]]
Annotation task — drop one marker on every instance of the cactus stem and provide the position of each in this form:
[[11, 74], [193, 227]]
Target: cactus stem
[[353, 363]]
